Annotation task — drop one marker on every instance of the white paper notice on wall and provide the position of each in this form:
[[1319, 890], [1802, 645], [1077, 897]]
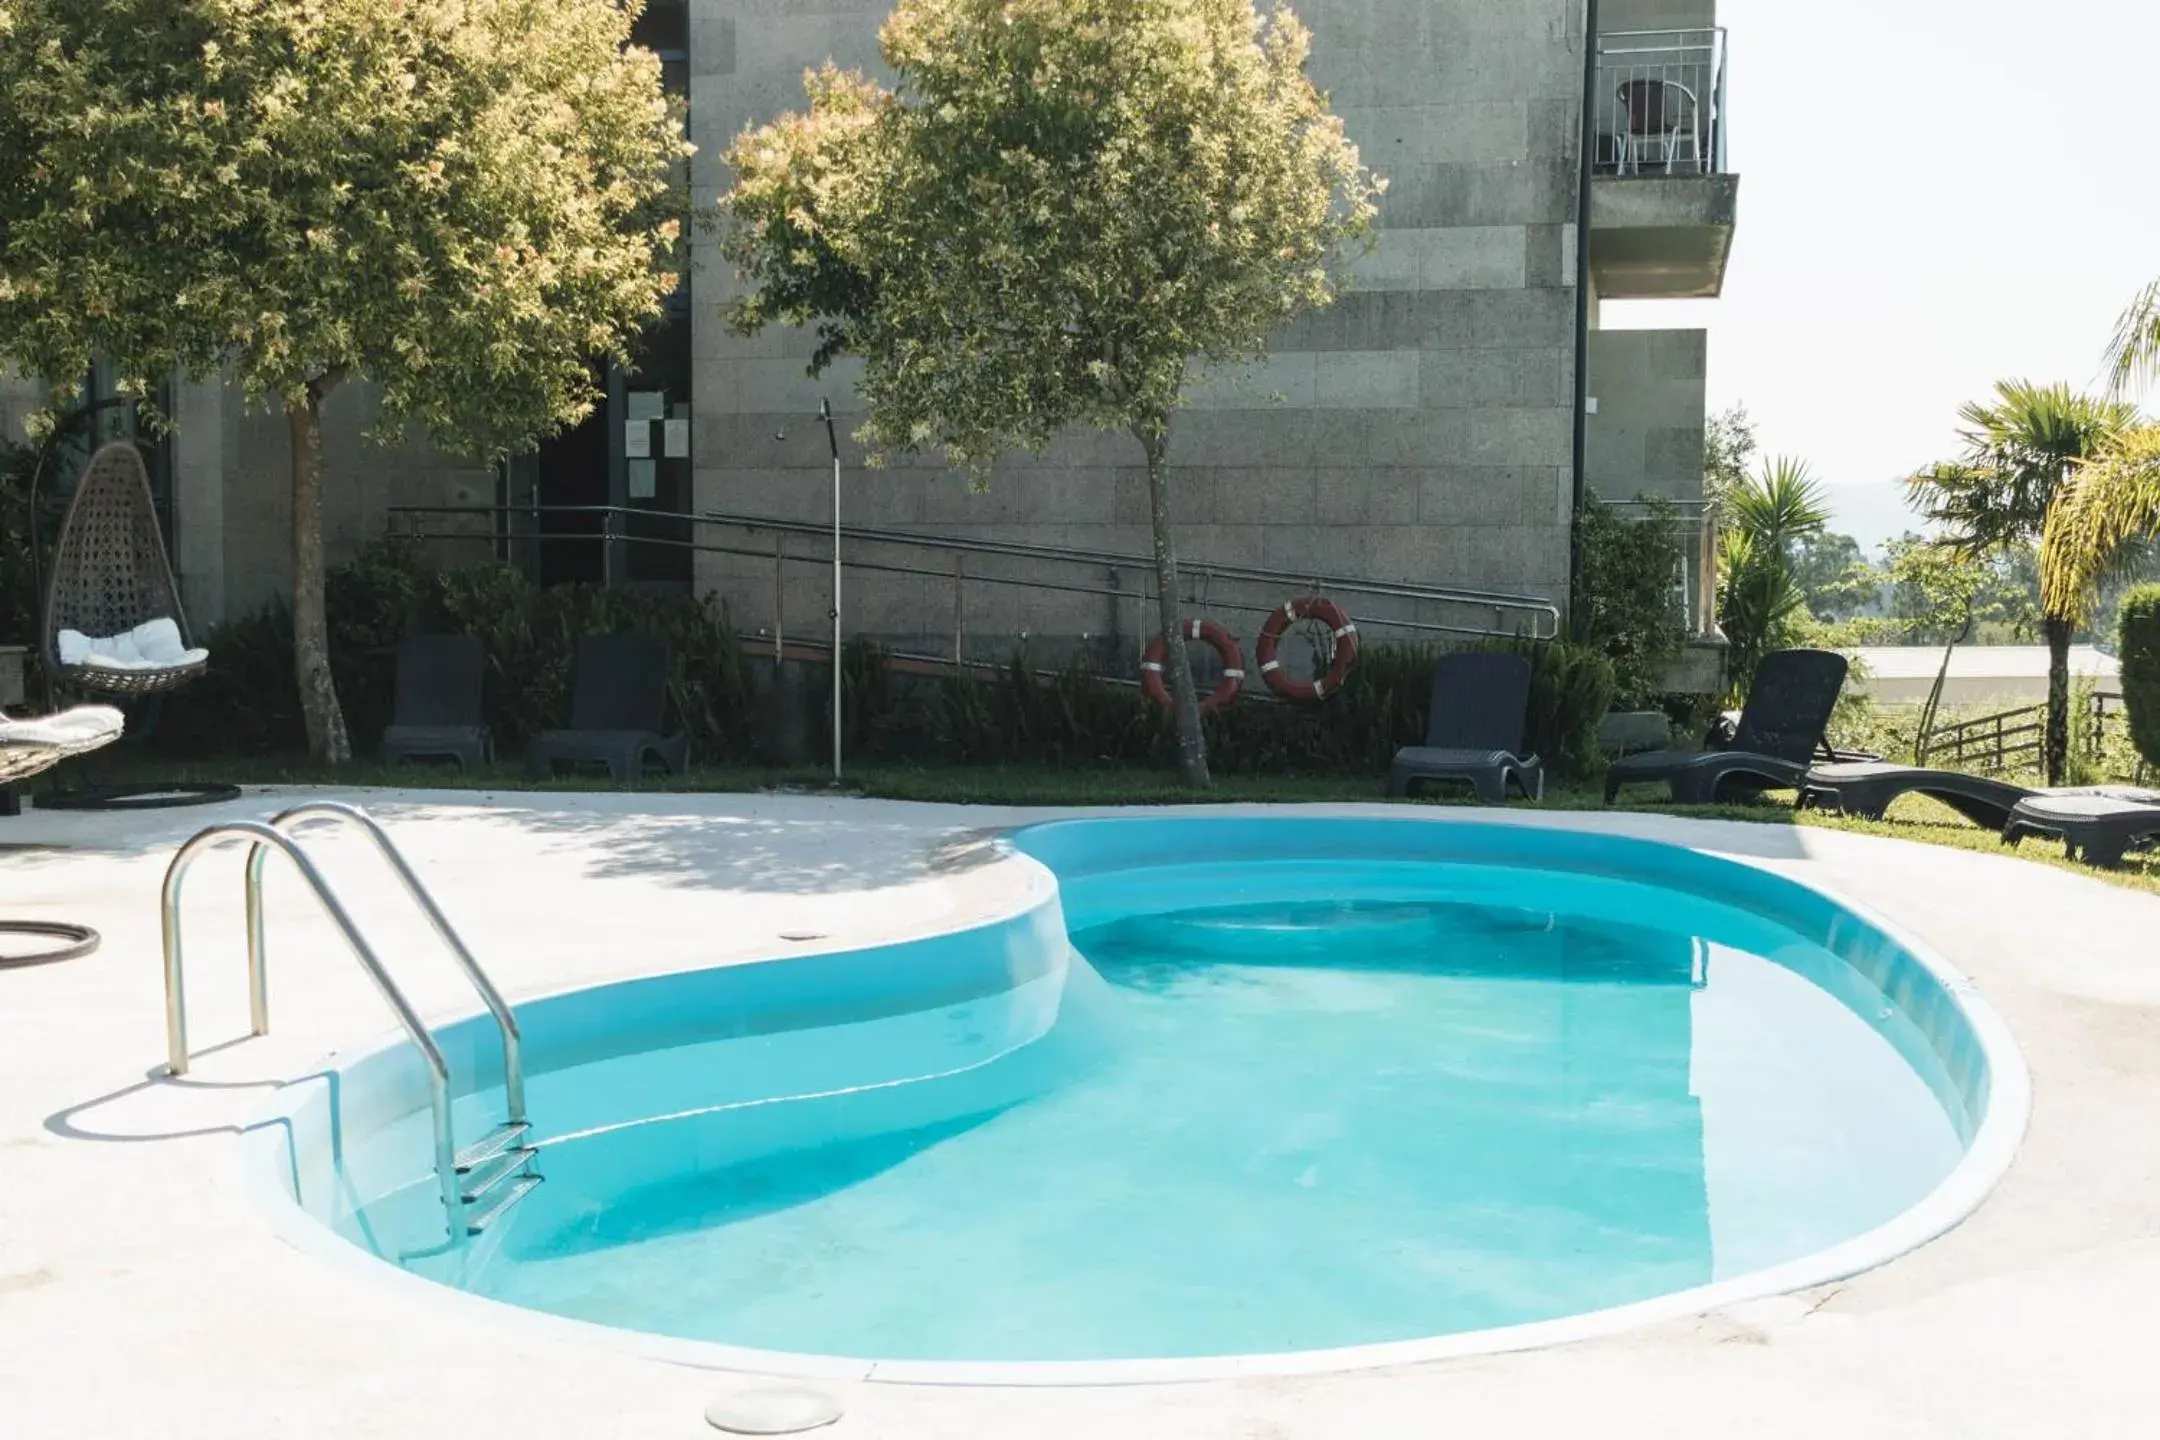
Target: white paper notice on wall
[[640, 475], [675, 440], [647, 404], [637, 439]]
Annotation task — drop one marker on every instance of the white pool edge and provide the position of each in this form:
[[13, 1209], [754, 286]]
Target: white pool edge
[[1987, 1158]]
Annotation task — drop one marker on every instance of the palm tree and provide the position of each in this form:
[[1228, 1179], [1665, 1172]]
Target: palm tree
[[2112, 503], [2019, 452], [2133, 356], [1760, 600]]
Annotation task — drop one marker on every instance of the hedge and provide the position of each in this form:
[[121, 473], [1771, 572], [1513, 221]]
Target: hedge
[[247, 704]]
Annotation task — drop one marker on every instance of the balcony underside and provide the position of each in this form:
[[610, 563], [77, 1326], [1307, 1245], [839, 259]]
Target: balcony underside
[[1661, 237]]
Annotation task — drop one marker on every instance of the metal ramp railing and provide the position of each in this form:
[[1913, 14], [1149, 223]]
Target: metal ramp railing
[[967, 564], [478, 1184]]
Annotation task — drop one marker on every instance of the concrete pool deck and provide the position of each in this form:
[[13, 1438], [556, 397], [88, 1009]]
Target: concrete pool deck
[[143, 1293]]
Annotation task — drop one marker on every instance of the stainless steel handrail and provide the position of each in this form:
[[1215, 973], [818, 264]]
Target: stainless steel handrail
[[258, 962], [1021, 549], [1540, 615], [176, 1051]]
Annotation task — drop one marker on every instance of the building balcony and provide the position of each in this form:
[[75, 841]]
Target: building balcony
[[1662, 200]]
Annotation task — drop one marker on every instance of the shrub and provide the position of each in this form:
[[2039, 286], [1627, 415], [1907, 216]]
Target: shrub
[[2139, 652], [1571, 689], [1630, 608], [1075, 717], [248, 702]]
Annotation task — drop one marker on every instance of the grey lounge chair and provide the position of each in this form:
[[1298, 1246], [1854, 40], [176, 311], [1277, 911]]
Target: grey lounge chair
[[438, 713], [1867, 790], [1778, 733], [2098, 826], [1474, 733], [618, 702]]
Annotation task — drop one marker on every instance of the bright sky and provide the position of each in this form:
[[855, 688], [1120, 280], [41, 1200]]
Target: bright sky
[[1934, 194]]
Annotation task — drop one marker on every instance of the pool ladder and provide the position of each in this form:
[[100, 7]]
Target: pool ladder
[[480, 1183]]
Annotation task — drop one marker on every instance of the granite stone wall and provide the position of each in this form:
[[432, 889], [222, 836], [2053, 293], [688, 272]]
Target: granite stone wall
[[1417, 431]]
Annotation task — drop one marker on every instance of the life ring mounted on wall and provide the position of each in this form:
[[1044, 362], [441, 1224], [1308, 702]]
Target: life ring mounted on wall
[[1221, 641], [1279, 621]]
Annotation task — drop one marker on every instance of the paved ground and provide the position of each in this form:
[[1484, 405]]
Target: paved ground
[[142, 1295]]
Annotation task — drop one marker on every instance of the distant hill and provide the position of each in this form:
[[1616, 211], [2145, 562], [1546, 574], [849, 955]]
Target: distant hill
[[1872, 514]]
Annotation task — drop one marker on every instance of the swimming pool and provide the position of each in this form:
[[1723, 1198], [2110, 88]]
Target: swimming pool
[[1224, 1093]]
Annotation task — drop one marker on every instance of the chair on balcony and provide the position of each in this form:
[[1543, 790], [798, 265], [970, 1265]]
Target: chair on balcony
[[1660, 112]]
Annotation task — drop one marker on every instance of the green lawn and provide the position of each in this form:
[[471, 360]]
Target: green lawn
[[1913, 818]]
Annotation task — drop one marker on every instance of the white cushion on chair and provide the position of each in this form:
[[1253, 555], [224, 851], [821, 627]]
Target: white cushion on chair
[[152, 645], [83, 726]]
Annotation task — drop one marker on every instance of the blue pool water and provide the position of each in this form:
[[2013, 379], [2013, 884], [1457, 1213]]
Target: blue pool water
[[1281, 1092]]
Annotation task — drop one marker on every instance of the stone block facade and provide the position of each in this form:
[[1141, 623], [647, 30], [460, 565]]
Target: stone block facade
[[1420, 430]]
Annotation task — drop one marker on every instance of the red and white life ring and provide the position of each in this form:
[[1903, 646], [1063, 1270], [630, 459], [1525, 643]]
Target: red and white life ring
[[1279, 620], [1221, 641]]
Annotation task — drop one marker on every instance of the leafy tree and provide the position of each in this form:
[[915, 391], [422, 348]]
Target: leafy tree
[[2018, 452], [1728, 453], [1938, 592], [1060, 210], [466, 205], [1766, 518], [2005, 595], [1835, 576]]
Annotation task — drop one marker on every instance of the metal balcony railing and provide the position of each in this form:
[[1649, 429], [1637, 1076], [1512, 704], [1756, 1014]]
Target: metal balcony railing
[[1661, 103]]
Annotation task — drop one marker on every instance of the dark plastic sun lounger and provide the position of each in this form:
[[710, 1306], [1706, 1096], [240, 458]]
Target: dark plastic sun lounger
[[1474, 733], [1778, 733], [1868, 790], [618, 703], [2099, 826], [438, 714]]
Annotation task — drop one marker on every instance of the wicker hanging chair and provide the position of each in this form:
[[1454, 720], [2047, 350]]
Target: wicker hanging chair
[[110, 575]]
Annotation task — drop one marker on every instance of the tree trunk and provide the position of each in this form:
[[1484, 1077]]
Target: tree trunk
[[1934, 699], [2057, 630], [327, 740], [1184, 698]]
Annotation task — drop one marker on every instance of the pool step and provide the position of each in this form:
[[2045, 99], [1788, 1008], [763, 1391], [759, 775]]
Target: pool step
[[478, 1181], [488, 1146], [479, 1220], [495, 1169]]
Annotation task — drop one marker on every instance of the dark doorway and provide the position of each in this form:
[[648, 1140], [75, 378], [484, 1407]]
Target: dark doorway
[[572, 469], [633, 452]]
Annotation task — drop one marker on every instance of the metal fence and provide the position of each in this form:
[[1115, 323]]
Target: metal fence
[[2013, 739], [1661, 102]]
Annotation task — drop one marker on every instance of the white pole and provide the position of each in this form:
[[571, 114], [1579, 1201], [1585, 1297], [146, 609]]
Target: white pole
[[832, 438]]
